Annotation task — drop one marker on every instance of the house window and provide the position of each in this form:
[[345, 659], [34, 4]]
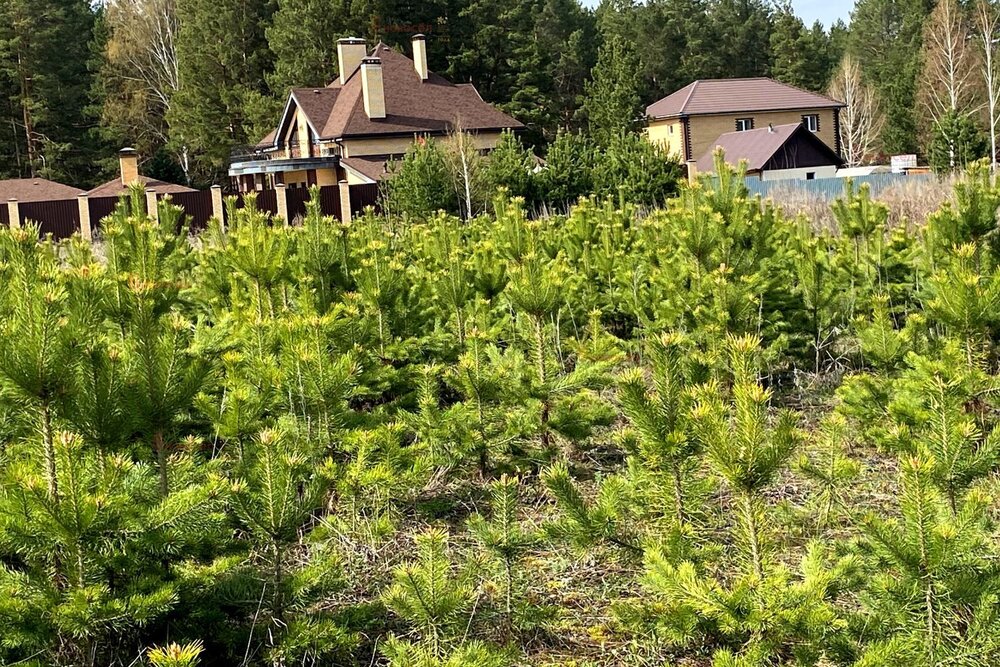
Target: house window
[[810, 175], [744, 124], [671, 131], [812, 122]]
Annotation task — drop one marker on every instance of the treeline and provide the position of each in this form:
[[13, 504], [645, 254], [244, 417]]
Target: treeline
[[185, 81]]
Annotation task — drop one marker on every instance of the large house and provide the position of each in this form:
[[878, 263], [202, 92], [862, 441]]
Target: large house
[[691, 121], [379, 105]]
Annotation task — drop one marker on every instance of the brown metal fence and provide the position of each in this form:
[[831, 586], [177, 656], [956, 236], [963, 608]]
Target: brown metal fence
[[197, 206], [4, 215], [100, 208], [267, 201], [364, 195], [297, 198], [329, 200], [60, 219]]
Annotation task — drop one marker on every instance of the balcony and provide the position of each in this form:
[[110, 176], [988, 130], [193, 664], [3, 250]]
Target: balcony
[[247, 160]]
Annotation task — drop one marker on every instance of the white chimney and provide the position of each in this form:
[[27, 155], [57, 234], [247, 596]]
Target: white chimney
[[350, 52], [371, 87], [420, 56]]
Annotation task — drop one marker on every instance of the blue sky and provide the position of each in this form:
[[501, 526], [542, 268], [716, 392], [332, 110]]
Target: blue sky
[[826, 11]]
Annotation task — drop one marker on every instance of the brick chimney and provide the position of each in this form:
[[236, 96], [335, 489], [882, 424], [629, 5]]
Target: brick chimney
[[371, 87], [350, 52], [128, 163], [420, 56]]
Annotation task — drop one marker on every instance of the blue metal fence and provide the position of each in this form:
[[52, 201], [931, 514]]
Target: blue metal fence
[[832, 188]]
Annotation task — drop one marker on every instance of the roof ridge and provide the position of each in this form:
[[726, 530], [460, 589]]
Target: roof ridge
[[694, 86]]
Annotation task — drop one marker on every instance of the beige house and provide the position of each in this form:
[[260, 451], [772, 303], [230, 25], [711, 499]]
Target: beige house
[[690, 121], [379, 105]]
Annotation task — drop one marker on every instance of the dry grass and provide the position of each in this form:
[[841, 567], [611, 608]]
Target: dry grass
[[909, 203]]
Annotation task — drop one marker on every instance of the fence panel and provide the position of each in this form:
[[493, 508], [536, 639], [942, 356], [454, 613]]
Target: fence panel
[[197, 206], [329, 200], [100, 208], [832, 188], [267, 201], [60, 218], [4, 215], [296, 198], [364, 195]]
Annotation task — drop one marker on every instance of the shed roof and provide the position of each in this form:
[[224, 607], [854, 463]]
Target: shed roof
[[758, 146], [35, 189], [115, 187], [714, 96]]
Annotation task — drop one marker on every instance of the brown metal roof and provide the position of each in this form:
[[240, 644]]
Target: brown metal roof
[[412, 106], [35, 189], [711, 96], [758, 146], [371, 166], [115, 187]]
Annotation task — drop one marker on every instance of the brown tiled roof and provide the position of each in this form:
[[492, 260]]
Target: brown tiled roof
[[709, 96], [372, 166], [758, 146], [412, 106], [35, 189], [115, 187]]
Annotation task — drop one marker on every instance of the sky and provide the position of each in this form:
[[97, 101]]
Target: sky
[[826, 11]]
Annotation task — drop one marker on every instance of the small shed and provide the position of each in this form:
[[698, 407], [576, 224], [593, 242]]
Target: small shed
[[776, 152]]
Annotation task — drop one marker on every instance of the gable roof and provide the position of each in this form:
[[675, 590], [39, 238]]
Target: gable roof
[[711, 96], [412, 105], [115, 187], [759, 146], [36, 189], [372, 167]]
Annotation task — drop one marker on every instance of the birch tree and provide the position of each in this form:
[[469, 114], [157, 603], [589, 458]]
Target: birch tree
[[949, 71], [141, 73], [987, 25], [861, 120]]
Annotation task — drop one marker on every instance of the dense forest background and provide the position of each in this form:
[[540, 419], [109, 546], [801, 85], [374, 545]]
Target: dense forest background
[[186, 81]]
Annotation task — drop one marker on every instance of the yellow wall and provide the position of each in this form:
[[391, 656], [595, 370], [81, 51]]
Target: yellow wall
[[326, 177], [305, 145], [669, 133], [706, 129]]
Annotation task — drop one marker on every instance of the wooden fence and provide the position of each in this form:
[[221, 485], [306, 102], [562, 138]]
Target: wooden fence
[[62, 218]]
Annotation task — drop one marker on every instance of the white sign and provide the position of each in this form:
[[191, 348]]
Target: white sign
[[900, 163]]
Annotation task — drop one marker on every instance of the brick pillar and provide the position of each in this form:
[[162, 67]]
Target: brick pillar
[[86, 231], [345, 201], [281, 195], [14, 213], [218, 210], [152, 210]]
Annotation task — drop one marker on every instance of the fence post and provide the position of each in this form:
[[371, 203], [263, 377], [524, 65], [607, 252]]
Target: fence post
[[86, 231], [692, 168], [218, 210], [14, 213], [281, 196], [152, 210], [345, 201]]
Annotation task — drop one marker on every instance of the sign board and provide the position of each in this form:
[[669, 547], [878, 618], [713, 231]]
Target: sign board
[[900, 163]]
